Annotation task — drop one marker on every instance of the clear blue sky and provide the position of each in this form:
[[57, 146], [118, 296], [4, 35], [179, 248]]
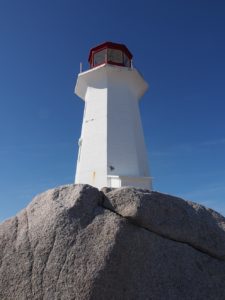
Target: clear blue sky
[[179, 47]]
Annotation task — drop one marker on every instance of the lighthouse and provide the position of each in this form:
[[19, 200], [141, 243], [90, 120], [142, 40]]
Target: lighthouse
[[112, 151]]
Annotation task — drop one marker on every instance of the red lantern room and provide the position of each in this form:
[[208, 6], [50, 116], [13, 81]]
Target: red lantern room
[[110, 53]]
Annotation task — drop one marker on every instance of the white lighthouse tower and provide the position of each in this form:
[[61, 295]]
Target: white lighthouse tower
[[112, 151]]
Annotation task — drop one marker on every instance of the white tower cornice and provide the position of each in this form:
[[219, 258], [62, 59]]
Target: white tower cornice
[[99, 77]]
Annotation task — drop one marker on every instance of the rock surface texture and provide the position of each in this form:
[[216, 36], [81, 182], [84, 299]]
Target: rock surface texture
[[75, 242]]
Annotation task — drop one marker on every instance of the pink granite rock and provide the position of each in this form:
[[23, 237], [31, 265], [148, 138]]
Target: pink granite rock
[[74, 242]]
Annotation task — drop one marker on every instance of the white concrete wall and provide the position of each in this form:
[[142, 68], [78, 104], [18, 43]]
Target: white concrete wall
[[92, 157], [112, 136], [125, 141], [138, 182]]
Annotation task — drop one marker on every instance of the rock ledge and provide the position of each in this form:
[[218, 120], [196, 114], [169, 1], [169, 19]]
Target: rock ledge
[[76, 242]]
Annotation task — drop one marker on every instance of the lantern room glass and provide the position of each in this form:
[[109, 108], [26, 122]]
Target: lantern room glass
[[100, 57], [115, 56], [110, 56]]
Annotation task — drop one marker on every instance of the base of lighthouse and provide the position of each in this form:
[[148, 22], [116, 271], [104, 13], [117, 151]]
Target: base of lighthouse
[[137, 182]]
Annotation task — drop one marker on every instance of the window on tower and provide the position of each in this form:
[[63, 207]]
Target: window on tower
[[100, 57], [126, 60], [115, 56]]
